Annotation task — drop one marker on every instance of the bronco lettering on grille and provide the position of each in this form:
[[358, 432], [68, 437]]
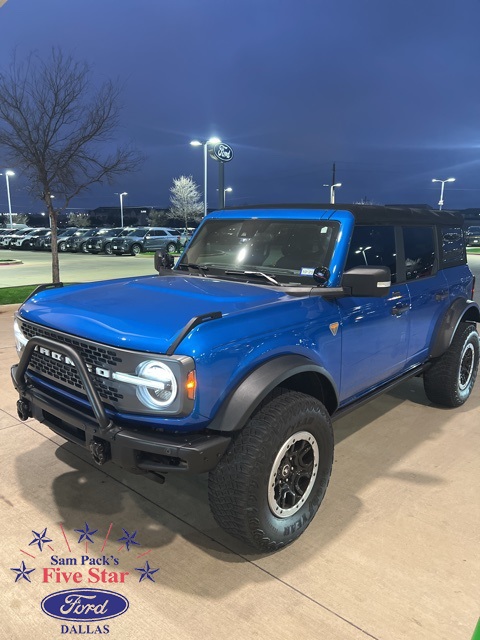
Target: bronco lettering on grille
[[59, 357]]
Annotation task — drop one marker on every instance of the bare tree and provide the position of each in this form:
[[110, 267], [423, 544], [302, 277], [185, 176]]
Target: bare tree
[[185, 199], [78, 220], [56, 125]]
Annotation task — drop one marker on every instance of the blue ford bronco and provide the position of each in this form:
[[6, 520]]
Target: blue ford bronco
[[275, 321]]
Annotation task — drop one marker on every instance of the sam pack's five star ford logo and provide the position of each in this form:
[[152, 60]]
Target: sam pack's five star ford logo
[[63, 562]]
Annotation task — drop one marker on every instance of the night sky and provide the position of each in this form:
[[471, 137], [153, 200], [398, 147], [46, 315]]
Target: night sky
[[389, 91]]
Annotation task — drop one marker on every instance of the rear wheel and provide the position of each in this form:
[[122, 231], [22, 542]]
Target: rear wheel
[[83, 247], [450, 380], [108, 248], [136, 249], [271, 481], [171, 246], [62, 246]]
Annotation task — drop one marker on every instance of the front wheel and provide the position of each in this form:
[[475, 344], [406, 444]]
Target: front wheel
[[108, 248], [136, 249], [271, 481], [450, 380], [62, 246], [83, 247]]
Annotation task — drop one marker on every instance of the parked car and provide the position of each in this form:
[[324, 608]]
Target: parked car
[[141, 239], [102, 242], [62, 238], [275, 322], [12, 237], [78, 241], [472, 236], [39, 243], [27, 241]]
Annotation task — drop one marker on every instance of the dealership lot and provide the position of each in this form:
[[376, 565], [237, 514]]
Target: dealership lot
[[393, 552]]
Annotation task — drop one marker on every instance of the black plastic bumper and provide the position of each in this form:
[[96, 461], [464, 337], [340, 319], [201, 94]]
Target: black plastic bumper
[[138, 450]]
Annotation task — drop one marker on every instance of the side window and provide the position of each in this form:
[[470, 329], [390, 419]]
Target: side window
[[453, 246], [161, 233], [375, 246], [419, 243]]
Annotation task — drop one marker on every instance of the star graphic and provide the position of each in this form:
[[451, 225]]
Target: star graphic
[[22, 572], [146, 572], [86, 533], [128, 538], [40, 539]]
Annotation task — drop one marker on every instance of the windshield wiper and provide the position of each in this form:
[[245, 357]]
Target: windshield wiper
[[258, 274], [191, 266]]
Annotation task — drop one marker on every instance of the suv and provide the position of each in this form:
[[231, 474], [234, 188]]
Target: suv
[[9, 239], [280, 319], [62, 239], [143, 239], [78, 241], [27, 241], [472, 236], [102, 242]]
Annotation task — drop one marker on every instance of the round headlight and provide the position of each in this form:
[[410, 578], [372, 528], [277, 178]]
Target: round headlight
[[163, 392], [20, 339]]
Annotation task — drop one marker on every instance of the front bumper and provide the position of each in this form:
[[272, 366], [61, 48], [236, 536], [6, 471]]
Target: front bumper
[[139, 450]]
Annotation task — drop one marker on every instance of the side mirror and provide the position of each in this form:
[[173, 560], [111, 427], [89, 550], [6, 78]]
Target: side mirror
[[163, 260], [367, 281]]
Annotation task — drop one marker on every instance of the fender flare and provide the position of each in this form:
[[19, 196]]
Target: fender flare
[[249, 393], [460, 310]]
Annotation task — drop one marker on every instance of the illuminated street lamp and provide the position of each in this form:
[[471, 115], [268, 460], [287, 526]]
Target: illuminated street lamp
[[362, 251], [229, 189], [7, 174], [332, 190], [121, 205], [440, 202], [197, 143]]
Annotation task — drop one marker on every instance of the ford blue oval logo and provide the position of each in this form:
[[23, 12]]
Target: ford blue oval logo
[[86, 605]]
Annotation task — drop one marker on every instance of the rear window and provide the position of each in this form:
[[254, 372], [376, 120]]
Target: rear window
[[453, 246]]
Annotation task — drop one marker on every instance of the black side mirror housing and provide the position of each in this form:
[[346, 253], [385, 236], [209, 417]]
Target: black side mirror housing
[[367, 281], [163, 260]]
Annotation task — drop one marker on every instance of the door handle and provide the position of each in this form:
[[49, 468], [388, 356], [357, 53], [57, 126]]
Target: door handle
[[400, 308], [441, 295]]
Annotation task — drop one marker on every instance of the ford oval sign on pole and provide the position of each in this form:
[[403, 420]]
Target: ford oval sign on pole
[[221, 152]]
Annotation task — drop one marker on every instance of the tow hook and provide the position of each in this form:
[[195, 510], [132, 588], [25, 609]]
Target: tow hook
[[23, 409], [100, 451]]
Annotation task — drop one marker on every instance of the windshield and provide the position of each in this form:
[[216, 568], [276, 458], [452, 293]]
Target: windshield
[[286, 249]]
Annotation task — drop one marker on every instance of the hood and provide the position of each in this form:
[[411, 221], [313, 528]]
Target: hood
[[144, 314]]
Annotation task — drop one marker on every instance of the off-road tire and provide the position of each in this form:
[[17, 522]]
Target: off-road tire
[[135, 249], [450, 380], [242, 488]]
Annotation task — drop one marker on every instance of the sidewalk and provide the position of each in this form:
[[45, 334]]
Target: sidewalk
[[392, 554]]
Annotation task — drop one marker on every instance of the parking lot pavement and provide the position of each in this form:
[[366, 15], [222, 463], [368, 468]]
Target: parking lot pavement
[[35, 267], [392, 553]]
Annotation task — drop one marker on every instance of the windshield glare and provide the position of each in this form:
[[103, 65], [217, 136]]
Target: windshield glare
[[270, 246]]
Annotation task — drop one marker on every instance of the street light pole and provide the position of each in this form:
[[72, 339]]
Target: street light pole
[[9, 173], [440, 202], [197, 143], [121, 206], [229, 189], [332, 190]]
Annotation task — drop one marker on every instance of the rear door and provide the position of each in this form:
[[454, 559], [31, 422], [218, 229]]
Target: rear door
[[428, 288]]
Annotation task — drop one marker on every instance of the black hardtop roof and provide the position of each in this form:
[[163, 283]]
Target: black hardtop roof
[[376, 214]]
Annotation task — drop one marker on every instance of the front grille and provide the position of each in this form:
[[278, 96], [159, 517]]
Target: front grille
[[92, 354]]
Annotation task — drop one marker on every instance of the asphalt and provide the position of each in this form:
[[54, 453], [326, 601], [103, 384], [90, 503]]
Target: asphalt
[[392, 554]]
